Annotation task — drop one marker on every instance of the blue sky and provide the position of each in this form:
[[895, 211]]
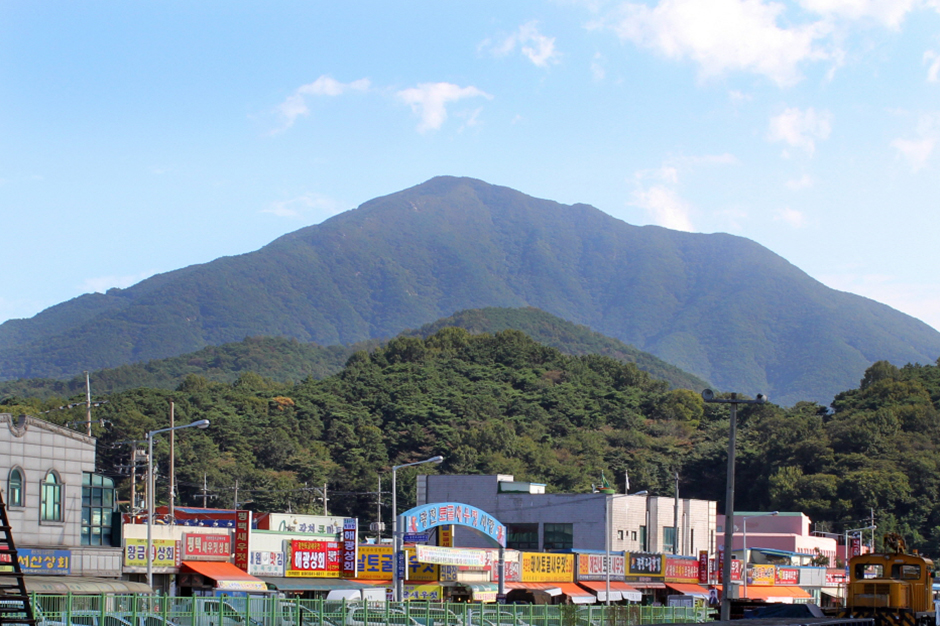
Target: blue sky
[[141, 137]]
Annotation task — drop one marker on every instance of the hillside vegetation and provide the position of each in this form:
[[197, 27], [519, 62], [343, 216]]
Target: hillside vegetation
[[720, 307], [286, 360], [502, 403]]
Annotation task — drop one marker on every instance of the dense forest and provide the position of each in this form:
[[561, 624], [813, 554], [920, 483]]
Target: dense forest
[[503, 403]]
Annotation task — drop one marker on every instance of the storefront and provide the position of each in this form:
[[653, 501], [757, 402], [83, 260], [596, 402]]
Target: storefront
[[216, 578]]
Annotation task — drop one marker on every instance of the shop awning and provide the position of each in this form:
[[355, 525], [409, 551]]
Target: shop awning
[[785, 595], [627, 592], [313, 584], [82, 584], [647, 585], [482, 592], [833, 592], [599, 589], [689, 589], [550, 589], [577, 594], [226, 576]]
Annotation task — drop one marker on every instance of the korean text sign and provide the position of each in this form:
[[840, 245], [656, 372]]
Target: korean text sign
[[314, 559]]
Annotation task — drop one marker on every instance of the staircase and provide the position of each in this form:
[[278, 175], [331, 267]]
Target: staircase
[[15, 605]]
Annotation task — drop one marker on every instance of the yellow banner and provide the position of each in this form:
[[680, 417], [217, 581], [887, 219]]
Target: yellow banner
[[164, 553], [547, 567], [761, 574], [375, 563]]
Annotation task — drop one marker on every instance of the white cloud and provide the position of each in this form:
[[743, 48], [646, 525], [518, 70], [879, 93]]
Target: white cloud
[[791, 216], [535, 46], [933, 70], [800, 129], [597, 67], [889, 12], [309, 206], [429, 101], [918, 151], [722, 35], [295, 105], [664, 207], [802, 182], [101, 284]]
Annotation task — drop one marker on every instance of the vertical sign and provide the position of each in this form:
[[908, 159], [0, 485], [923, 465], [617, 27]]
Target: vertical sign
[[446, 536], [856, 544], [242, 537], [348, 547], [721, 565], [703, 566]]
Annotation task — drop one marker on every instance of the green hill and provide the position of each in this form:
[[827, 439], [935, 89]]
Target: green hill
[[721, 307], [286, 360]]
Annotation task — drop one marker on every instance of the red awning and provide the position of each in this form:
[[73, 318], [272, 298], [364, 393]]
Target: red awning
[[689, 589], [774, 593], [225, 575], [551, 589]]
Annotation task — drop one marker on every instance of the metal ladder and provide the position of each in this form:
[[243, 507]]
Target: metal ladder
[[15, 605]]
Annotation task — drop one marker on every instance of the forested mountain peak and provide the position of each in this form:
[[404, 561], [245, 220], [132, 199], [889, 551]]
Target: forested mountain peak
[[721, 307]]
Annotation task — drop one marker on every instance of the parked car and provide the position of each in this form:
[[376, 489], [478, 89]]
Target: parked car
[[216, 612], [11, 609], [96, 618]]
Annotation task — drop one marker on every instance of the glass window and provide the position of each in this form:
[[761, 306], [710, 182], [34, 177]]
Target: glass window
[[868, 570], [559, 536], [905, 572], [669, 538], [643, 542], [97, 507], [50, 504], [15, 488], [522, 536]]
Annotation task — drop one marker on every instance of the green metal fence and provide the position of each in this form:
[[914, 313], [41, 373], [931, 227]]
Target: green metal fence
[[132, 610]]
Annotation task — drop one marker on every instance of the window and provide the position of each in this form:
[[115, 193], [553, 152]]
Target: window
[[50, 503], [620, 535], [669, 538], [559, 536], [522, 536], [905, 572], [869, 570], [97, 509], [691, 541], [644, 544], [15, 488], [633, 535]]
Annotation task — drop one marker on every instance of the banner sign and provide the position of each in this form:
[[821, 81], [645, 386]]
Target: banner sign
[[451, 556], [198, 547], [787, 576], [703, 566], [348, 547], [644, 564], [547, 567], [761, 574], [681, 570], [423, 518], [242, 539], [266, 563], [427, 593], [835, 576], [313, 559], [165, 553], [855, 544], [445, 536], [592, 567], [375, 563], [45, 561]]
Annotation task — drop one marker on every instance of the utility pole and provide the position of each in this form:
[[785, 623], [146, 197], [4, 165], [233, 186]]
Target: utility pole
[[205, 491], [88, 403], [324, 500], [172, 457], [236, 495], [675, 519], [134, 481], [378, 510]]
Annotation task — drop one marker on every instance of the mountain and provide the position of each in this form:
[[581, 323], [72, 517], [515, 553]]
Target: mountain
[[719, 306], [281, 360]]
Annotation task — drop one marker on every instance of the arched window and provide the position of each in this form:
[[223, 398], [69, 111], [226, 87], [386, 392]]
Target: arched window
[[15, 488], [50, 506]]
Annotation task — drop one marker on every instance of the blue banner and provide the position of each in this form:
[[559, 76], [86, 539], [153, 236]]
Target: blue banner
[[45, 561], [422, 518]]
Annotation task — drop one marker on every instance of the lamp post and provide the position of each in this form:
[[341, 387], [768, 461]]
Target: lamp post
[[203, 424], [709, 396], [608, 530], [745, 545], [396, 537]]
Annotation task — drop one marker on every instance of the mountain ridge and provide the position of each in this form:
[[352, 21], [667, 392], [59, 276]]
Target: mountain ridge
[[719, 306]]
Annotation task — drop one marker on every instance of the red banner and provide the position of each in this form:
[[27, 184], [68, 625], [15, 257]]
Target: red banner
[[681, 570], [198, 547], [703, 566], [319, 559], [787, 576], [242, 539]]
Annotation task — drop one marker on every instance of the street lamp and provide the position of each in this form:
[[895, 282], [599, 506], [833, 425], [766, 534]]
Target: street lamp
[[745, 544], [608, 530], [203, 424], [396, 538], [709, 396]]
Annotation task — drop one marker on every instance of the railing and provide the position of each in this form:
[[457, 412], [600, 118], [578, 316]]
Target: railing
[[115, 610]]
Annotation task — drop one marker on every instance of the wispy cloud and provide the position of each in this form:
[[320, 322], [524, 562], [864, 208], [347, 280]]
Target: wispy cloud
[[794, 218], [889, 13], [721, 36], [538, 48], [101, 284], [932, 61], [308, 207], [295, 105], [429, 101], [802, 182], [919, 150], [800, 129]]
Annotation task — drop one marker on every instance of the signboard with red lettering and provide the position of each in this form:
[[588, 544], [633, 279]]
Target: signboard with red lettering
[[835, 576], [348, 547], [592, 567], [547, 567], [681, 569], [242, 539], [855, 547], [787, 576], [198, 547], [423, 518], [314, 559], [703, 566]]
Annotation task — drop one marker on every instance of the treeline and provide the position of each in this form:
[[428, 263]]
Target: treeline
[[502, 403]]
